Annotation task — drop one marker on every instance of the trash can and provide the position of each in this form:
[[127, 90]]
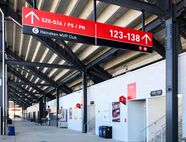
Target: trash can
[[101, 131], [11, 131], [107, 132]]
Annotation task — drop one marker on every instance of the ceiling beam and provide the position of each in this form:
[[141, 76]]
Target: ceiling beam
[[183, 33], [24, 84], [100, 73], [23, 95], [70, 56], [102, 57], [38, 73], [18, 97], [16, 84], [37, 64], [73, 76], [51, 44], [12, 94], [17, 74], [11, 98], [64, 53], [180, 8], [30, 2], [60, 51], [159, 48], [137, 5]]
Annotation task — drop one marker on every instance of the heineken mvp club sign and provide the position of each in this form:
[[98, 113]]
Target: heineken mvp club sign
[[58, 26]]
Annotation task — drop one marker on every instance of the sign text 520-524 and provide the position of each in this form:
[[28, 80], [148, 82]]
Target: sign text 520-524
[[64, 24]]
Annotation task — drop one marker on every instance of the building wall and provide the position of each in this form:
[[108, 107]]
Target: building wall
[[69, 102], [31, 109], [182, 88], [155, 115], [18, 112], [147, 79]]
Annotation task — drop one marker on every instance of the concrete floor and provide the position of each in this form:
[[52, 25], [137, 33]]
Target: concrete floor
[[29, 132]]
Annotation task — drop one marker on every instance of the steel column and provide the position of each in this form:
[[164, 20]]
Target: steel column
[[57, 106], [34, 4], [14, 109], [44, 105], [143, 20], [95, 11], [4, 95], [171, 80], [84, 76], [41, 109]]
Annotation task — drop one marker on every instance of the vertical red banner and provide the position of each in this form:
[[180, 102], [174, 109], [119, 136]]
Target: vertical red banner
[[132, 91]]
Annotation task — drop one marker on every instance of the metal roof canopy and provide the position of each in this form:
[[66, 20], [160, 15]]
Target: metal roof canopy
[[97, 69]]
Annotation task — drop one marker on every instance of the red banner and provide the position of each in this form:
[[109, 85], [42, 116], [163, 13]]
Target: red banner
[[126, 35], [58, 22], [53, 25]]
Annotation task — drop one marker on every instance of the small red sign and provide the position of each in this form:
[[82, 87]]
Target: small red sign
[[78, 105], [122, 100], [132, 91]]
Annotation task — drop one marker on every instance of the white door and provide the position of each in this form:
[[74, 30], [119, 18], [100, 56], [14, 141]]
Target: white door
[[91, 118]]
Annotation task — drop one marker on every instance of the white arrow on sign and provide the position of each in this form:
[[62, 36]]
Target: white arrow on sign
[[147, 38], [32, 15]]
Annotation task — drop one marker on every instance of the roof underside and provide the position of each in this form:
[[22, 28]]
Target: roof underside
[[29, 48]]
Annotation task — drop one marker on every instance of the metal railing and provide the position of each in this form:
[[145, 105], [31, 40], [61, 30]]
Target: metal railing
[[156, 131]]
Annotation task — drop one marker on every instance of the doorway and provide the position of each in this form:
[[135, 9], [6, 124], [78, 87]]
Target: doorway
[[91, 119], [137, 120]]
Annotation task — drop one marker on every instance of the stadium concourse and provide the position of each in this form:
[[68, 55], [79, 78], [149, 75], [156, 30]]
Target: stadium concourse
[[92, 70], [30, 132]]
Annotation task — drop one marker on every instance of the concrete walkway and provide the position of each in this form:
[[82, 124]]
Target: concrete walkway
[[29, 132]]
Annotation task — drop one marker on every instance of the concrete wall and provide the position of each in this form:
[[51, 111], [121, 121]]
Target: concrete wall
[[31, 109], [182, 88], [35, 107], [69, 102], [155, 113], [147, 79], [18, 111], [53, 105]]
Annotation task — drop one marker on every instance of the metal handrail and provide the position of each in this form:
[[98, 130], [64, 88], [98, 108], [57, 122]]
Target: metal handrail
[[155, 122]]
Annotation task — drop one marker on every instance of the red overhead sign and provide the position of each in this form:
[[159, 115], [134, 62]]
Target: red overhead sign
[[58, 22], [53, 25], [126, 35]]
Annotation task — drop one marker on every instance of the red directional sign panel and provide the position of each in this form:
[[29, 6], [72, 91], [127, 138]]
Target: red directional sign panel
[[41, 23], [126, 35], [45, 23]]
